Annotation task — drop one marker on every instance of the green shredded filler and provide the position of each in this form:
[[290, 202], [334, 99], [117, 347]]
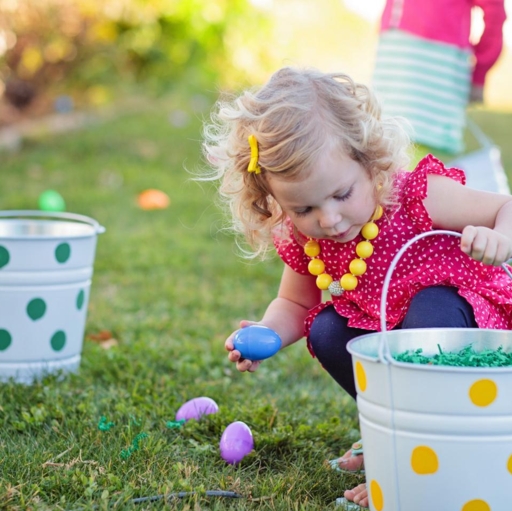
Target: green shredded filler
[[466, 357], [126, 453], [175, 424], [103, 425]]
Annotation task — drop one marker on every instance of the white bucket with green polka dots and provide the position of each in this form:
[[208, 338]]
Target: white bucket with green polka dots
[[435, 437], [46, 266]]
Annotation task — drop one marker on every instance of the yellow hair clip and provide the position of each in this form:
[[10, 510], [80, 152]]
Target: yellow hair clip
[[253, 164]]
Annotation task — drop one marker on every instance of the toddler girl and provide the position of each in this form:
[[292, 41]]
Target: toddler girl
[[307, 165]]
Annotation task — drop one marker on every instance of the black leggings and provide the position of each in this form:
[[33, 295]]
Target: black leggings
[[432, 307]]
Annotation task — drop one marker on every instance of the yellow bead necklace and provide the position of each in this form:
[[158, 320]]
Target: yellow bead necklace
[[357, 267]]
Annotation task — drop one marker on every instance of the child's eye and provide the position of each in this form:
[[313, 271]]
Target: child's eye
[[345, 196], [302, 212]]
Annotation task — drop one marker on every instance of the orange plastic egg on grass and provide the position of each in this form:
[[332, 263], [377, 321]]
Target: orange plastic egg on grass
[[153, 199]]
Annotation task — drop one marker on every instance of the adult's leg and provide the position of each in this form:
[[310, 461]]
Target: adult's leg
[[329, 336], [439, 307]]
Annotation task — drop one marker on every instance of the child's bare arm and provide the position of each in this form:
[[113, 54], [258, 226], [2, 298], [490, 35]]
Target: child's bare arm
[[483, 218], [285, 314]]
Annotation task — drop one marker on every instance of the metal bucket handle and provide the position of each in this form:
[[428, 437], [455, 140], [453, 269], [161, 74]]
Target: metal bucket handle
[[384, 352], [99, 229]]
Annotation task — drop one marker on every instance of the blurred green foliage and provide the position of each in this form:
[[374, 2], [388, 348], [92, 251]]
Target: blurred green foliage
[[95, 47]]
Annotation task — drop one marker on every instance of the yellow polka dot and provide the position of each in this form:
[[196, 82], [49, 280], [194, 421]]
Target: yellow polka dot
[[360, 376], [483, 392], [376, 495], [476, 505], [509, 464], [424, 460]]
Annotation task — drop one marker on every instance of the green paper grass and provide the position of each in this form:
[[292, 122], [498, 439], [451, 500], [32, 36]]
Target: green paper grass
[[103, 425], [466, 357], [175, 424], [126, 453]]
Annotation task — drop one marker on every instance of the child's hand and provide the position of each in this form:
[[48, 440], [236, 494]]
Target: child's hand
[[486, 245], [242, 364]]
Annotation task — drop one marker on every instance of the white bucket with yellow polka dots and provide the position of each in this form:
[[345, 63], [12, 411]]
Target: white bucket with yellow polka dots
[[435, 437], [46, 266]]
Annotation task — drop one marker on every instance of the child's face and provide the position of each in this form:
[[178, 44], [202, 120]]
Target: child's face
[[334, 201]]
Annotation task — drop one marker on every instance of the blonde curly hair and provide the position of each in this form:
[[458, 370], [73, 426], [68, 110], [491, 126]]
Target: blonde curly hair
[[295, 116]]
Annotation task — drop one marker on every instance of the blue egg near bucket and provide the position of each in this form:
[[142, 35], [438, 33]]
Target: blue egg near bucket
[[46, 266], [435, 437]]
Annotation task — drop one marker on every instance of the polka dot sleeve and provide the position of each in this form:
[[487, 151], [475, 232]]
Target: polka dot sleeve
[[414, 190], [289, 250]]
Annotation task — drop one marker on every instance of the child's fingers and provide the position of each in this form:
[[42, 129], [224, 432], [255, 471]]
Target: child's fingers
[[485, 245], [468, 236], [254, 366], [244, 323], [491, 252], [244, 364], [480, 243], [229, 343], [503, 253], [234, 356]]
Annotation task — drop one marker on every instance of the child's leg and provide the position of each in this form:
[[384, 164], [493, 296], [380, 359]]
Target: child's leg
[[439, 306], [328, 337]]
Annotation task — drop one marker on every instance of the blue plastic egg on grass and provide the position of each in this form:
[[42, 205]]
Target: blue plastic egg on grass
[[236, 442], [196, 408], [257, 342]]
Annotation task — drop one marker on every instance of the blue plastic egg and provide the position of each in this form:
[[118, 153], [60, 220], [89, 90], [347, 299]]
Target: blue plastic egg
[[257, 342]]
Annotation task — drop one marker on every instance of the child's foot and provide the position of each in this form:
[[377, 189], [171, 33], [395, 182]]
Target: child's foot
[[358, 495], [351, 461]]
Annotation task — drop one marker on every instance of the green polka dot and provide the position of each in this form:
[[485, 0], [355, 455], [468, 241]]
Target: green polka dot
[[36, 308], [58, 340], [62, 252], [5, 339], [4, 256], [80, 299]]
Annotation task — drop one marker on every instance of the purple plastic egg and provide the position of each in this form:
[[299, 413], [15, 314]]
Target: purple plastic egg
[[196, 408], [236, 442]]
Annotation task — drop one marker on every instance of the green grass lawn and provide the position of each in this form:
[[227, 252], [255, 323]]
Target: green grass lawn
[[170, 287]]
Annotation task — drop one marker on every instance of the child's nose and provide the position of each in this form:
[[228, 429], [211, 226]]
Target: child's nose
[[329, 219]]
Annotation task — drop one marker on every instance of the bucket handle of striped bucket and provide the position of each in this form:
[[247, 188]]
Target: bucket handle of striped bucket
[[384, 352], [99, 229]]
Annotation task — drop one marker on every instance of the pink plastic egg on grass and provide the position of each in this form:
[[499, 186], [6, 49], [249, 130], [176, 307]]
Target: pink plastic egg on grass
[[236, 442], [196, 408]]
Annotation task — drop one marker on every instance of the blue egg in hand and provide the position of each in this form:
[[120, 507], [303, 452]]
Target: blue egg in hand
[[257, 342]]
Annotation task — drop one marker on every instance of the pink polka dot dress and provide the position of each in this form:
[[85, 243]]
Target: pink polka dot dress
[[432, 261]]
